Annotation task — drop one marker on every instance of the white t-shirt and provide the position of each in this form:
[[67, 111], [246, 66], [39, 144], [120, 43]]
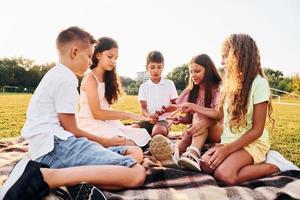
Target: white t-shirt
[[56, 93], [157, 95]]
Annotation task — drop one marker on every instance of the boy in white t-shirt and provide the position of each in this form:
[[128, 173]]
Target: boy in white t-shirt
[[61, 153], [155, 93]]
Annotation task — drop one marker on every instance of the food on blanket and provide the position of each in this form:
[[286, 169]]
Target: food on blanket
[[161, 148]]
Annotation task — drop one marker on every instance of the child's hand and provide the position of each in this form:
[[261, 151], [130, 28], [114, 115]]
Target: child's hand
[[152, 118], [159, 112], [196, 129], [177, 120], [187, 107], [165, 109], [116, 141], [218, 155]]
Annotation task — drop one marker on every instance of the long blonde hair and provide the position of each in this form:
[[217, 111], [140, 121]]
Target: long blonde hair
[[243, 65]]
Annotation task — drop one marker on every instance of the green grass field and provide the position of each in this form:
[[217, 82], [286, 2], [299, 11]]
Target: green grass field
[[285, 137]]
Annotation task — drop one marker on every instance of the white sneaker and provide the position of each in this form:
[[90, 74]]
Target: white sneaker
[[275, 158]]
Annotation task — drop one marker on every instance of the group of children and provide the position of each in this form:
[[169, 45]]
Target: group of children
[[68, 147]]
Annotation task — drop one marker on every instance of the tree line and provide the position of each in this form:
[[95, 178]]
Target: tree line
[[24, 73]]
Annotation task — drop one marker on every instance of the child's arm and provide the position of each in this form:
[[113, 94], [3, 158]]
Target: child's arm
[[208, 112], [144, 110], [173, 101], [259, 119], [68, 122], [143, 107], [200, 124], [90, 86]]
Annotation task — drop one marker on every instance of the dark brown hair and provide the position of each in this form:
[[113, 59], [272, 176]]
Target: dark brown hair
[[155, 56], [211, 78], [111, 80]]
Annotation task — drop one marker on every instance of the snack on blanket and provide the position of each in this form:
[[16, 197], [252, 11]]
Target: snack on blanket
[[161, 148]]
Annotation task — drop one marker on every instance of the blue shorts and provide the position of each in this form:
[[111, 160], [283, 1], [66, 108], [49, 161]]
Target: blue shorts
[[81, 151]]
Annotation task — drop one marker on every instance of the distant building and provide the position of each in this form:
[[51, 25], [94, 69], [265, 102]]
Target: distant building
[[142, 76]]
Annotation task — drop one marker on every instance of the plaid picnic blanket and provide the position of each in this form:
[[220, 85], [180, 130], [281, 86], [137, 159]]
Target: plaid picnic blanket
[[167, 183]]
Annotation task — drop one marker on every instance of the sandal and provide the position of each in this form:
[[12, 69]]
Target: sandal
[[189, 161]]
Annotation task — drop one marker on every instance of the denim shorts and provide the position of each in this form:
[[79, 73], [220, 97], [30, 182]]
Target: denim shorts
[[81, 151]]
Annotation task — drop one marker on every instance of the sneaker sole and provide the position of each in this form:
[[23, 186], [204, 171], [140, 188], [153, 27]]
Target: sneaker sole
[[161, 148], [14, 176], [87, 192], [188, 164]]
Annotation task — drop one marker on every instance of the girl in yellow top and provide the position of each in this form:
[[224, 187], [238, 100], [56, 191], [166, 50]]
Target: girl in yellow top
[[245, 100]]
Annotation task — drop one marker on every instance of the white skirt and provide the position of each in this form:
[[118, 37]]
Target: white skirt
[[111, 128]]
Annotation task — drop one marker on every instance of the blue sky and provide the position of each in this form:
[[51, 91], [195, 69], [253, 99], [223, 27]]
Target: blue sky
[[180, 29]]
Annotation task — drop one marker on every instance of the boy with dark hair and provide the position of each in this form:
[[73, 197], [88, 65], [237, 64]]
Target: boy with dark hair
[[154, 94]]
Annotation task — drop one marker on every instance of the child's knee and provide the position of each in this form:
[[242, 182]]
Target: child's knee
[[135, 126], [224, 176], [159, 130], [135, 152]]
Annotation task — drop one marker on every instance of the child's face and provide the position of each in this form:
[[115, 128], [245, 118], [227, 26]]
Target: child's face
[[83, 59], [197, 73], [224, 59], [155, 70], [224, 55], [108, 59]]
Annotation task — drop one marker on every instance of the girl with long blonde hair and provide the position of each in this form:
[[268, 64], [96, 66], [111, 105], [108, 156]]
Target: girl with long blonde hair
[[244, 104]]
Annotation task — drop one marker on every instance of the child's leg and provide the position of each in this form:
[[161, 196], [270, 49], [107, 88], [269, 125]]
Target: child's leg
[[81, 152], [199, 141], [190, 159], [184, 143], [32, 180], [214, 133], [134, 152], [238, 167], [135, 125], [160, 128], [213, 136], [105, 176]]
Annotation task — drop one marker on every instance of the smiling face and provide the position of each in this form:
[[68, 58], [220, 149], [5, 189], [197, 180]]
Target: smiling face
[[155, 70], [197, 73], [108, 59]]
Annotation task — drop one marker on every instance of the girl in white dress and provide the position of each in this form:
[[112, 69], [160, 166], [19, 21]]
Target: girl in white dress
[[100, 88]]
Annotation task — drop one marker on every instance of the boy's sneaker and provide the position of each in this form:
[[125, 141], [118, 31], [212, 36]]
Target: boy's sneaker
[[25, 182], [163, 150], [82, 191], [275, 158]]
